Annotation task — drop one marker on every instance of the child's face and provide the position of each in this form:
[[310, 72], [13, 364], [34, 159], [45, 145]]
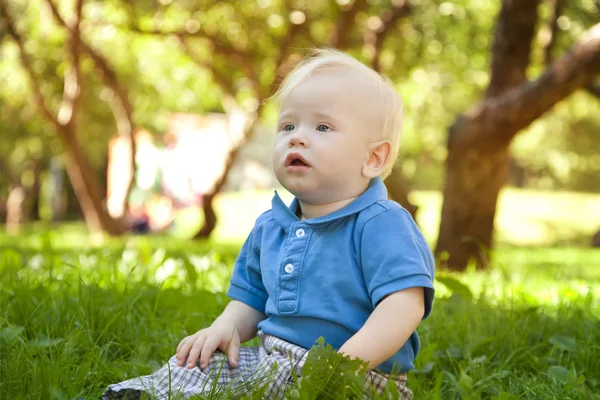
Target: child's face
[[324, 130]]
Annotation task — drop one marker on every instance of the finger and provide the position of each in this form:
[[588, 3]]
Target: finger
[[233, 351], [210, 345], [181, 343], [195, 351], [183, 349]]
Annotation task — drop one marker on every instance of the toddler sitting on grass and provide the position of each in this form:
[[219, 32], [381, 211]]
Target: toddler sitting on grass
[[342, 262]]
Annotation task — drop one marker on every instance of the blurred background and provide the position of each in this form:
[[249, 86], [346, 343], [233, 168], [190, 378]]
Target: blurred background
[[135, 156], [500, 148]]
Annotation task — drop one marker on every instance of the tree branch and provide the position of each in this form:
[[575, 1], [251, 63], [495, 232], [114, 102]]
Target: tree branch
[[294, 28], [594, 90], [224, 46], [221, 79], [232, 156], [56, 14], [501, 118], [374, 38], [122, 110], [67, 114], [78, 12], [550, 40], [346, 20], [6, 170], [26, 62], [220, 45], [243, 58], [512, 45]]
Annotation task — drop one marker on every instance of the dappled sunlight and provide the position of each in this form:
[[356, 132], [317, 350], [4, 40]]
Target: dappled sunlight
[[528, 217], [136, 155], [523, 218], [546, 278]]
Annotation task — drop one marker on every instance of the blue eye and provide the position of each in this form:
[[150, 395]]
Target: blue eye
[[323, 128], [288, 127]]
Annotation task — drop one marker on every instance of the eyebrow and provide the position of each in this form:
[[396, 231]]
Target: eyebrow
[[291, 114], [325, 116], [285, 115]]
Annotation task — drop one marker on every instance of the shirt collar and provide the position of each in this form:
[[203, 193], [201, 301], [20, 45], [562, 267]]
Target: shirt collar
[[286, 216]]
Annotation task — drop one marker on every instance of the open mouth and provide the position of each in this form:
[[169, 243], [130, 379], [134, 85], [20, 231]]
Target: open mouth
[[298, 162], [295, 160]]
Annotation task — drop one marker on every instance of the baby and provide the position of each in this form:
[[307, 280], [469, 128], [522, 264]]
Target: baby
[[342, 262]]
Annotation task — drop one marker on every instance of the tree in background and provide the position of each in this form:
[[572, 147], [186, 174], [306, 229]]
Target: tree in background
[[246, 59], [202, 56], [478, 141], [66, 120]]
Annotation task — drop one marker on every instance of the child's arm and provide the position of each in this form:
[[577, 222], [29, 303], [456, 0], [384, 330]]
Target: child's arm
[[243, 317], [238, 323], [390, 325]]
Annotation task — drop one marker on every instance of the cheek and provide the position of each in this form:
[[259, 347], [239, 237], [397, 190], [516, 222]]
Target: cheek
[[346, 158], [278, 151], [274, 158]]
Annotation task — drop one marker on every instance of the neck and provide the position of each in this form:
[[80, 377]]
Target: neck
[[309, 211]]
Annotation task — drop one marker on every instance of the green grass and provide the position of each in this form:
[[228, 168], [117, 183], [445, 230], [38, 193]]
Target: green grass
[[74, 321], [75, 317]]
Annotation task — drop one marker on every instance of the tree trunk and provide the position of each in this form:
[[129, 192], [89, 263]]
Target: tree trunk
[[478, 158], [72, 207], [82, 178], [210, 217], [475, 174], [14, 209], [57, 186], [398, 190], [474, 178], [13, 182], [33, 194], [87, 189], [596, 239], [3, 201]]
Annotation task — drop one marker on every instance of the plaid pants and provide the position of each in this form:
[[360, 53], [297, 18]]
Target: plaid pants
[[273, 361]]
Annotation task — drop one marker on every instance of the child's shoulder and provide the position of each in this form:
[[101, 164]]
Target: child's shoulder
[[264, 218], [385, 209], [388, 210]]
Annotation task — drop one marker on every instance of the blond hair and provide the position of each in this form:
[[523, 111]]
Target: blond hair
[[393, 109]]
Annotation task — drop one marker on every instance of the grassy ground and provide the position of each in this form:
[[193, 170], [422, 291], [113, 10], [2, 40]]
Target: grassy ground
[[74, 318], [524, 218]]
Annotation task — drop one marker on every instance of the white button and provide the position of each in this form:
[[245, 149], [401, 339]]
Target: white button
[[300, 232], [289, 268]]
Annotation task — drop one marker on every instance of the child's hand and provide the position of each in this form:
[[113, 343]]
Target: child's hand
[[201, 345]]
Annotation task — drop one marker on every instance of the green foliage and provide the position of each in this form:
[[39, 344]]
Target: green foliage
[[569, 134], [329, 374], [455, 286], [438, 56]]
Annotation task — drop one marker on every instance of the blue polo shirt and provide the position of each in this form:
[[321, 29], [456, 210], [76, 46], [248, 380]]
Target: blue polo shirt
[[324, 276]]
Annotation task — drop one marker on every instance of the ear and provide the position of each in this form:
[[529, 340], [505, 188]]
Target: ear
[[379, 153]]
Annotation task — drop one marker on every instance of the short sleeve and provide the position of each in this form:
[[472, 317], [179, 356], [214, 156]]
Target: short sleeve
[[395, 256], [246, 282]]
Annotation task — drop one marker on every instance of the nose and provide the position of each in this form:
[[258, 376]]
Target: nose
[[297, 139]]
